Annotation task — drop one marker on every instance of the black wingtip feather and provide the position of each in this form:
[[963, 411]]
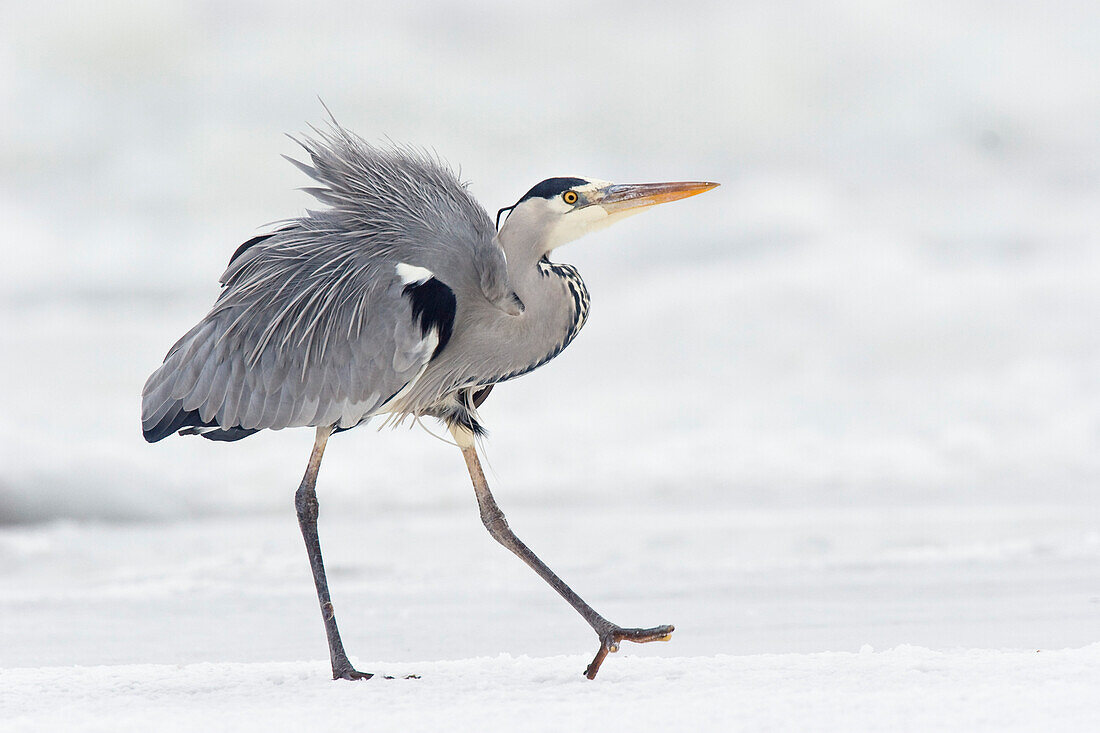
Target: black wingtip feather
[[226, 435], [186, 422]]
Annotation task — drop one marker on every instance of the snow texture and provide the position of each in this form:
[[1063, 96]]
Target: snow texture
[[190, 616], [849, 398], [902, 689]]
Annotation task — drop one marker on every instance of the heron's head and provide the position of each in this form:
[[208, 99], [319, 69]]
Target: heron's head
[[559, 210]]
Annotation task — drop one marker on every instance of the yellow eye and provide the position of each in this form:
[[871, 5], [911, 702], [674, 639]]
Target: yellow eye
[[569, 197]]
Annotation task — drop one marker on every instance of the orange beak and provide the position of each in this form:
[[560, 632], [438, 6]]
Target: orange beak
[[623, 196]]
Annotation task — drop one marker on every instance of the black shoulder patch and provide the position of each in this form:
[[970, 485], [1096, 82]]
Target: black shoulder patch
[[434, 304], [551, 187]]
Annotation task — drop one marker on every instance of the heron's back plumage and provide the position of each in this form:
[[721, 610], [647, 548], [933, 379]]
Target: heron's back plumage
[[316, 324]]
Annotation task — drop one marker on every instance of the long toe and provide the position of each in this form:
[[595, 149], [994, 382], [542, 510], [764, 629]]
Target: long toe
[[640, 636], [609, 642]]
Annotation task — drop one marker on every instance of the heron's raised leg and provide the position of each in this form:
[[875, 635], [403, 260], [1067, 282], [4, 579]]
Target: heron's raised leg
[[305, 501], [493, 519]]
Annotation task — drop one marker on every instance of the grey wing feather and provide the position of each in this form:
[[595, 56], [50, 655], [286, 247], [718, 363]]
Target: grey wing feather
[[247, 366], [314, 326]]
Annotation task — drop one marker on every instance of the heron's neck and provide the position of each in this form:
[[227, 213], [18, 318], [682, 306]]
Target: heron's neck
[[489, 346], [556, 303], [567, 276]]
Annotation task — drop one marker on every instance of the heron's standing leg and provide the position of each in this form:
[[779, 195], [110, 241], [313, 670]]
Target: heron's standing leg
[[493, 519], [305, 501]]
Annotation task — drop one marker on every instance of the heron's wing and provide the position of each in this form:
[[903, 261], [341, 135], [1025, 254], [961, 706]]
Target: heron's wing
[[315, 324], [302, 336]]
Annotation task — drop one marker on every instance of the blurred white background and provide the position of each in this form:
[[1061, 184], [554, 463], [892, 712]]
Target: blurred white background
[[894, 296], [853, 395]]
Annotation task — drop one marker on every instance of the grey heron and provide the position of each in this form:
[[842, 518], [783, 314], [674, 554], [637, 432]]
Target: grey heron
[[399, 299]]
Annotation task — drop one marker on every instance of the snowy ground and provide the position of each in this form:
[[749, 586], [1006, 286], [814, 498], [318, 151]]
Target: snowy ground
[[907, 688], [847, 400], [931, 618]]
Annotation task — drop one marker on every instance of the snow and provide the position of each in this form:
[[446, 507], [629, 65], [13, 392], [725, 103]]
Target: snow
[[848, 399], [982, 621], [905, 688]]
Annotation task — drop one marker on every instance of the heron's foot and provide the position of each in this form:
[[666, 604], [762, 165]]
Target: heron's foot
[[609, 642], [350, 673]]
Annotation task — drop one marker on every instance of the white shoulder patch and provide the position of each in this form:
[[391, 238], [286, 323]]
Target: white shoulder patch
[[412, 274]]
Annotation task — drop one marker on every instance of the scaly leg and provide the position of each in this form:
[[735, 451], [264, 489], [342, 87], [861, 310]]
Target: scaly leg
[[305, 501], [493, 518]]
